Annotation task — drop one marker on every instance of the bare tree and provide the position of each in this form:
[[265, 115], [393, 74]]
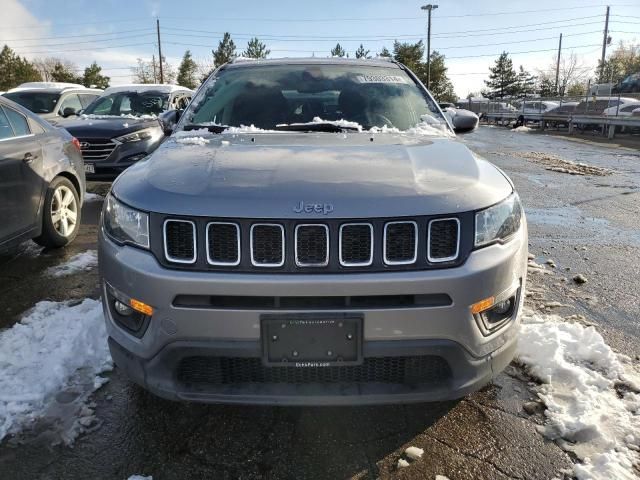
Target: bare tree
[[47, 65], [572, 72], [149, 72]]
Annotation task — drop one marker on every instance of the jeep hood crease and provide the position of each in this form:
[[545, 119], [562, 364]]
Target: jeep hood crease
[[267, 175]]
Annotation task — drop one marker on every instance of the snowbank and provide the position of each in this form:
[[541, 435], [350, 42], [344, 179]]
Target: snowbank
[[192, 140], [81, 262], [522, 129], [54, 346], [591, 393]]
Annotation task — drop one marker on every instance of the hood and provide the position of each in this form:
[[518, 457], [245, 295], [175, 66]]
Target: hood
[[104, 127], [347, 175]]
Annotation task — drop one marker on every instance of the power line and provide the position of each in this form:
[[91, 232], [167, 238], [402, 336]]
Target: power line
[[461, 34], [516, 53], [86, 49], [516, 41], [86, 41], [77, 36]]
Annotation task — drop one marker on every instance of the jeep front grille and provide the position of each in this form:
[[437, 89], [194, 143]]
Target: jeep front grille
[[443, 239], [267, 245], [297, 246], [312, 245], [180, 241]]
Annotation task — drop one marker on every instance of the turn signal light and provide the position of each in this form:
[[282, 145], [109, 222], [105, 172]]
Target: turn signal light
[[482, 305], [141, 307]]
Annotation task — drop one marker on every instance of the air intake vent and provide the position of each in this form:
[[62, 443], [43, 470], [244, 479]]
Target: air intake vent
[[356, 244], [180, 241], [267, 245], [312, 245], [223, 243], [400, 243], [443, 240]]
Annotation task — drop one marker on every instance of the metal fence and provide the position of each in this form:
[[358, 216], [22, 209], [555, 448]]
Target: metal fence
[[610, 113]]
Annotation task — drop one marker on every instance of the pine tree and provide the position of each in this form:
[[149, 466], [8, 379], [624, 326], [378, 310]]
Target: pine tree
[[526, 82], [385, 53], [362, 53], [338, 51], [503, 80], [546, 87], [441, 87], [15, 70], [63, 73], [225, 52], [187, 71], [94, 78], [256, 49], [411, 54]]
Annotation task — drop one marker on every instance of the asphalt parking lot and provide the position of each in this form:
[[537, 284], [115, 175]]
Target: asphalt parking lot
[[585, 224]]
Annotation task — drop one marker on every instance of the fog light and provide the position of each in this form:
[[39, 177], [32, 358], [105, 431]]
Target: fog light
[[122, 309], [502, 308]]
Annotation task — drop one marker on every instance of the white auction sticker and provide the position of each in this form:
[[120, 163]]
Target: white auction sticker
[[380, 79]]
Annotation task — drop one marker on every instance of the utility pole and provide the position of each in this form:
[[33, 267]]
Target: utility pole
[[428, 8], [605, 39], [558, 65], [159, 50]]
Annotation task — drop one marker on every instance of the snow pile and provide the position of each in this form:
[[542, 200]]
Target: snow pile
[[414, 453], [317, 120], [591, 393], [139, 477], [55, 346], [192, 140], [82, 262], [522, 129]]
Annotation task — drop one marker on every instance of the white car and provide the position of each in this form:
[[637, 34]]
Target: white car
[[538, 106], [625, 109]]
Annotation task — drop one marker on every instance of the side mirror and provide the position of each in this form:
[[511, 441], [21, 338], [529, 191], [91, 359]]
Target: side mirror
[[67, 112], [168, 120], [464, 121]]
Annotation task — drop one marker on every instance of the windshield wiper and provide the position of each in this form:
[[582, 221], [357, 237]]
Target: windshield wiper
[[211, 128], [315, 127]]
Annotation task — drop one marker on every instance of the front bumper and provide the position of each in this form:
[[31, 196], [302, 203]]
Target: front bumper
[[123, 156], [449, 333]]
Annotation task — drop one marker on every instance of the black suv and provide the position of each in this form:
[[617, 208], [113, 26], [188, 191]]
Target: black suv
[[122, 126]]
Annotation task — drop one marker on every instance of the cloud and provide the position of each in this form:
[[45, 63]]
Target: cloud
[[18, 24]]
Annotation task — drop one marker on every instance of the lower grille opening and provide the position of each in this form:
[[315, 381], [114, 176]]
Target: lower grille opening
[[241, 302], [201, 371]]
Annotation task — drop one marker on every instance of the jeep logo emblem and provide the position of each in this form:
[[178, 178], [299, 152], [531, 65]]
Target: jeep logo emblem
[[323, 208]]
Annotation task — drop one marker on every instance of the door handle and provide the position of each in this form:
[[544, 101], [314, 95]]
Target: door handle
[[28, 158]]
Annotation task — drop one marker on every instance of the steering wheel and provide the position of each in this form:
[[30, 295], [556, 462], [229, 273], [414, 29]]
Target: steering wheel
[[372, 119]]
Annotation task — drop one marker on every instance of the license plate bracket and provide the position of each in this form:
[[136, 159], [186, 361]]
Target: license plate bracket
[[311, 340]]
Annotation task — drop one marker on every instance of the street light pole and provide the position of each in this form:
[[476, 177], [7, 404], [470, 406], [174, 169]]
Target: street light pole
[[428, 8]]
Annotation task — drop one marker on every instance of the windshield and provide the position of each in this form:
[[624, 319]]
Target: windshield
[[276, 95], [129, 103], [37, 102]]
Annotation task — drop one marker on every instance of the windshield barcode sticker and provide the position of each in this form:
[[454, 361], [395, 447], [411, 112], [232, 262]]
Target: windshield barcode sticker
[[380, 79]]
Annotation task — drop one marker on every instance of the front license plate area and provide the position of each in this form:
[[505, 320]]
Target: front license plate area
[[311, 340], [89, 168]]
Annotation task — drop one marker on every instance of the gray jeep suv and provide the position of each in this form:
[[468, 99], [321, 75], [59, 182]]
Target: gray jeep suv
[[313, 233]]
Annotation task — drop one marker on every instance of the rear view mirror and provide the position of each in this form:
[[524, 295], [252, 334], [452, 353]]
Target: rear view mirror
[[67, 112], [464, 121], [169, 119]]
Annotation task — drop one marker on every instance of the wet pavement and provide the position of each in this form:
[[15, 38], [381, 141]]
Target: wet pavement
[[585, 224]]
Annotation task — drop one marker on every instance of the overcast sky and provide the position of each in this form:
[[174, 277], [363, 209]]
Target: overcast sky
[[470, 33]]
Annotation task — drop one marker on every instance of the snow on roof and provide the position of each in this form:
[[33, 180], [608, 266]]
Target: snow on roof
[[50, 85], [145, 87]]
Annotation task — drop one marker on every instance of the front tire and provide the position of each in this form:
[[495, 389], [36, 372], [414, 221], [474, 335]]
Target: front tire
[[60, 214]]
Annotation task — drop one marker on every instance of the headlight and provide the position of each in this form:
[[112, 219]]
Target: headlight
[[498, 223], [125, 224], [146, 134]]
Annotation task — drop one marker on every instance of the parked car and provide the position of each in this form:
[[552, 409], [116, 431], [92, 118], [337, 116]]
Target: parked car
[[598, 105], [622, 110], [122, 127], [631, 84], [537, 106], [41, 180], [53, 100], [312, 233]]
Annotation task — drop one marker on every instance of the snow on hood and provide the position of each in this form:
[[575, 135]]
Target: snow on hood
[[316, 120], [92, 116], [591, 393]]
